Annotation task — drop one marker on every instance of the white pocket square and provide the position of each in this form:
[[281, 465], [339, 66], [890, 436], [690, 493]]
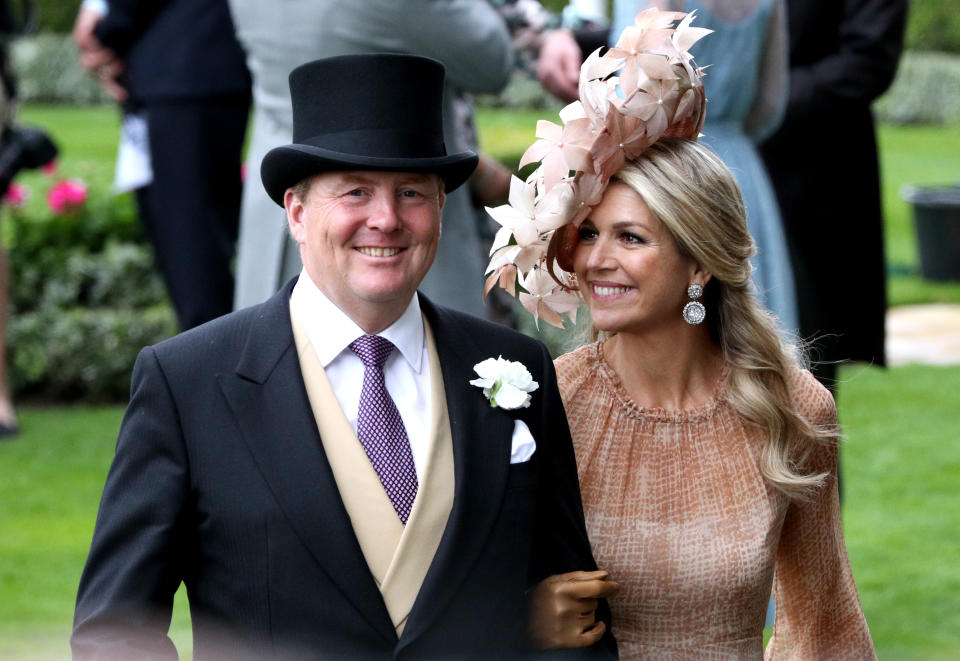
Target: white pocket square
[[523, 446]]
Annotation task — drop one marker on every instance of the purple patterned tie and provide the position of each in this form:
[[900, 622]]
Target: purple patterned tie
[[380, 427]]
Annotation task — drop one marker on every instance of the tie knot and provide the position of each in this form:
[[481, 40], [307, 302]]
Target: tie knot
[[372, 350]]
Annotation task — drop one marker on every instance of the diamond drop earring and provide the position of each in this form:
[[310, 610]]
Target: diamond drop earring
[[694, 312]]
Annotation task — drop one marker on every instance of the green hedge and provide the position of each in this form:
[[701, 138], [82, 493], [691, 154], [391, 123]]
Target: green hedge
[[47, 72], [925, 91], [934, 25], [55, 15], [84, 299]]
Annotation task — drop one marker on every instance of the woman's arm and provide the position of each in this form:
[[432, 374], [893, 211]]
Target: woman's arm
[[818, 610]]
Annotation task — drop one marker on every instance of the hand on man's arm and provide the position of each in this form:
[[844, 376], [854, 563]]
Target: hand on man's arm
[[562, 610]]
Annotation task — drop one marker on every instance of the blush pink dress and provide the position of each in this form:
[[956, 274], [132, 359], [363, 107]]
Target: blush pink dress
[[679, 514]]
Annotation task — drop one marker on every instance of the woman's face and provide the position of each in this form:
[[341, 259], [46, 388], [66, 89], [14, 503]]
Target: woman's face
[[628, 267]]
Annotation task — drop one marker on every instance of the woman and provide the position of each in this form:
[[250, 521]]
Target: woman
[[706, 455], [747, 78]]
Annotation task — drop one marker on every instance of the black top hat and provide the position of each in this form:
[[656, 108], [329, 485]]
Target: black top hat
[[365, 112]]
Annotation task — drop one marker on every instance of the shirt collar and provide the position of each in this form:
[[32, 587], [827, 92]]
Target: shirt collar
[[331, 331]]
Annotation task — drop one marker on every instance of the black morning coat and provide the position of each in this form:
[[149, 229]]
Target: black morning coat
[[176, 49], [823, 163], [220, 481]]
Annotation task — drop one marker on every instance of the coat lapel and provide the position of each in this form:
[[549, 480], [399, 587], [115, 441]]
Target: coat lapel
[[481, 465], [269, 400]]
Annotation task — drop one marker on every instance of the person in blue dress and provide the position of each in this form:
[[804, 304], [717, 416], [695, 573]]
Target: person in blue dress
[[747, 82]]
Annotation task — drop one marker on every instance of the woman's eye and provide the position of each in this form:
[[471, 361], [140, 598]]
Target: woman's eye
[[586, 233], [630, 237]]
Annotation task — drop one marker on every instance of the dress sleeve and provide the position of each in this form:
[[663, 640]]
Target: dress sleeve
[[818, 612]]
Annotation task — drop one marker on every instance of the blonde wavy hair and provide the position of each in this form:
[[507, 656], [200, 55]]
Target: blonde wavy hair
[[697, 198]]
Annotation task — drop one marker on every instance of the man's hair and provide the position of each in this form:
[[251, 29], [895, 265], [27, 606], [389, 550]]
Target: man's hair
[[302, 188]]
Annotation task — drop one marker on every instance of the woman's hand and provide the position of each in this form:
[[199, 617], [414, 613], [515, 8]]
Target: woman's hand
[[561, 609]]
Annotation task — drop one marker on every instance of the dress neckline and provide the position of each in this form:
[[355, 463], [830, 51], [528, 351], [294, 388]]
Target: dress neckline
[[634, 409]]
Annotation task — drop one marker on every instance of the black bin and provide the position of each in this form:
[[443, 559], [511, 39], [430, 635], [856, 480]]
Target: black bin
[[936, 215]]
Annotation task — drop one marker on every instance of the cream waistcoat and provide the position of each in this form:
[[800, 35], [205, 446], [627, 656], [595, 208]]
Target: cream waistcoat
[[398, 556]]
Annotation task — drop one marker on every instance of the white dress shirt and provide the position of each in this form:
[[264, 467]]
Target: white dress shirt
[[406, 371]]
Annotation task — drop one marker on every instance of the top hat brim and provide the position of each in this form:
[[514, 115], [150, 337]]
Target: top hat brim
[[285, 166]]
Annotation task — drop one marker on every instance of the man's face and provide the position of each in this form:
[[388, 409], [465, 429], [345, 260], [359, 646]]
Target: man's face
[[367, 239]]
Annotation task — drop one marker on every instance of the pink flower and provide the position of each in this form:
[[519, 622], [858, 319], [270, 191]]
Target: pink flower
[[67, 196], [16, 194], [50, 168]]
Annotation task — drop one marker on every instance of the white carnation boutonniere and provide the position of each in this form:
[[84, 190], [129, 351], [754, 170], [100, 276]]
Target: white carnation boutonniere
[[506, 383]]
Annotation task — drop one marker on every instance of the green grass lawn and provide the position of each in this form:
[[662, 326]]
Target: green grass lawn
[[914, 155], [901, 465], [51, 477]]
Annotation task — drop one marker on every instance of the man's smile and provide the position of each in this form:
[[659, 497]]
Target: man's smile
[[371, 251]]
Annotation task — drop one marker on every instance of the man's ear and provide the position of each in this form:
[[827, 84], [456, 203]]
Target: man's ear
[[294, 208]]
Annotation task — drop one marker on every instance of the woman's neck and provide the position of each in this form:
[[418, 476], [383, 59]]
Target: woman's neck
[[674, 368]]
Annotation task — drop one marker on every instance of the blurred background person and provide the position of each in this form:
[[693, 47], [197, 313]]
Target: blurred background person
[[467, 36], [823, 161], [20, 147], [177, 64], [747, 83]]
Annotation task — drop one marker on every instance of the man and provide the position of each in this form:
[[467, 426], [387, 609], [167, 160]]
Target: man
[[843, 55], [315, 502], [178, 64]]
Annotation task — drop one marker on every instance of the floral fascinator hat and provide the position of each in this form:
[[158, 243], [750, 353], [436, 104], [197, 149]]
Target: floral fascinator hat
[[645, 88]]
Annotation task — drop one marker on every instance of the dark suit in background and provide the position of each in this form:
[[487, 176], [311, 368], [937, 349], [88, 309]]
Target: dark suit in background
[[823, 162], [186, 71]]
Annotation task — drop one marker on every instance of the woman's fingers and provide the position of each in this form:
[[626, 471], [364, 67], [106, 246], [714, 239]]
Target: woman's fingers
[[591, 636], [573, 576], [608, 589], [586, 589], [562, 609]]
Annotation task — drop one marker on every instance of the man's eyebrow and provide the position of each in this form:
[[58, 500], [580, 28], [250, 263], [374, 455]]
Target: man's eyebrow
[[352, 178]]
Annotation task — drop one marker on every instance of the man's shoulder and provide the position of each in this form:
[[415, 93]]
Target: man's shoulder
[[224, 337]]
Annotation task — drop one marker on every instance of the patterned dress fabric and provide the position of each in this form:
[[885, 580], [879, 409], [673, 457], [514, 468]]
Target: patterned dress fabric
[[679, 514], [380, 427]]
